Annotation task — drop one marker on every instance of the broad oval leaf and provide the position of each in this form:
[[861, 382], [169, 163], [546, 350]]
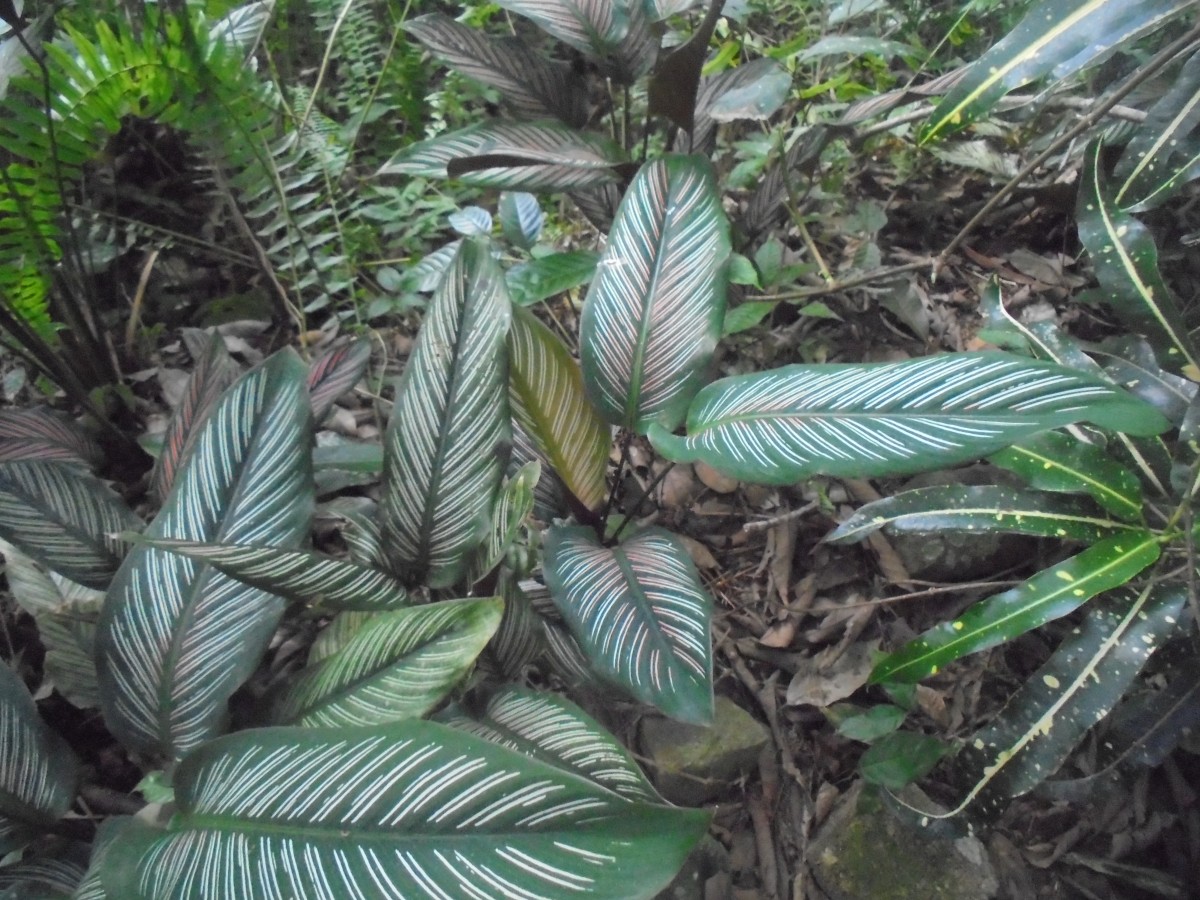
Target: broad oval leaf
[[874, 419], [539, 279], [521, 218], [448, 442], [654, 310], [1048, 595], [398, 665], [38, 772], [286, 812], [177, 637], [549, 403], [640, 614], [64, 518]]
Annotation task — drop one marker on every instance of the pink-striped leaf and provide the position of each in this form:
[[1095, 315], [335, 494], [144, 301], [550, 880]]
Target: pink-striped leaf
[[334, 372]]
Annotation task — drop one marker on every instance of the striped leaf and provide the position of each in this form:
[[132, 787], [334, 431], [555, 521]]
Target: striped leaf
[[38, 772], [335, 372], [447, 444], [654, 310], [518, 156], [398, 665], [875, 419], [1126, 263], [548, 402], [65, 519], [91, 887], [640, 614], [549, 494], [534, 87], [1047, 596], [409, 810], [299, 575], [1056, 38], [177, 637], [1049, 715], [514, 503], [519, 639], [51, 869], [44, 435], [521, 218], [556, 731], [982, 509], [336, 634]]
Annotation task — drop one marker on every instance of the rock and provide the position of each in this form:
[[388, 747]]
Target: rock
[[714, 480], [864, 850], [691, 764]]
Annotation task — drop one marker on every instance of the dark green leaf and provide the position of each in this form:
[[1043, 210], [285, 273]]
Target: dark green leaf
[[544, 277], [900, 758], [521, 218], [871, 725]]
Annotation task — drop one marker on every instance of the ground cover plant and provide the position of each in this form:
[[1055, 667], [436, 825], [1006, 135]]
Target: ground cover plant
[[375, 722]]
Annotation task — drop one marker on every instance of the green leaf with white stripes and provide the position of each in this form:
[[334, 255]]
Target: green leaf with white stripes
[[397, 812], [177, 637], [555, 730], [640, 614], [63, 518], [1048, 595], [448, 442], [398, 665], [38, 772], [655, 307], [981, 509], [1056, 38], [514, 503], [874, 419], [548, 401], [520, 156], [1125, 258]]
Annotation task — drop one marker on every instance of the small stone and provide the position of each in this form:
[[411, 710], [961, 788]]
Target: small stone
[[714, 480], [678, 486]]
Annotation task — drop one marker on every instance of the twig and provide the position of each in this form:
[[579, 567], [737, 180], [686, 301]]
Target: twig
[[764, 524], [839, 286]]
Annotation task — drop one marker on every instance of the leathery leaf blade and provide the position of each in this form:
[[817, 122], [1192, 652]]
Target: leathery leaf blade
[[640, 614], [177, 637], [655, 307], [449, 437], [38, 772], [283, 812], [514, 503], [398, 665], [548, 401], [1048, 595], [876, 419], [1050, 713]]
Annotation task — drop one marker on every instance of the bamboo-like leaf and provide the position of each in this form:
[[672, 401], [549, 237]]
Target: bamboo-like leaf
[[874, 419], [1073, 691], [38, 772], [1056, 38], [285, 812], [549, 403], [981, 509], [654, 310], [335, 372], [1053, 461], [1126, 263], [177, 637], [521, 218], [640, 614], [1048, 595], [556, 731], [41, 434], [524, 156], [539, 279], [63, 518], [448, 441], [514, 503], [534, 86], [299, 575], [398, 665]]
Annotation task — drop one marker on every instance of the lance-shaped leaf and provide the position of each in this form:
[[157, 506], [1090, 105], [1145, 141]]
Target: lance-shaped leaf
[[875, 419], [44, 435], [981, 509], [448, 441], [1048, 595], [525, 156], [299, 575], [1052, 711], [284, 812], [178, 637], [64, 518], [398, 665], [335, 372], [1056, 38], [539, 279], [38, 772], [535, 87], [676, 79], [654, 310], [754, 90], [335, 635], [1053, 461], [556, 731], [521, 218], [1126, 263], [514, 503], [640, 614], [548, 401]]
